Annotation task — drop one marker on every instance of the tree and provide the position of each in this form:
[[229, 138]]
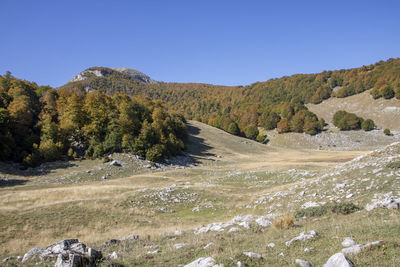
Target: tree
[[387, 92], [251, 132], [283, 126], [368, 125]]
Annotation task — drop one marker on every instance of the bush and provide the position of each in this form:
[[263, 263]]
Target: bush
[[251, 132], [311, 212], [285, 222], [387, 132], [387, 92], [155, 153], [368, 125], [344, 208], [394, 165], [347, 121]]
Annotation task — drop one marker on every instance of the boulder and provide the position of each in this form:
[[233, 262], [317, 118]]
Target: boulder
[[252, 255], [338, 260], [348, 242], [263, 221], [302, 237], [180, 245], [355, 249], [203, 262], [32, 253], [303, 263]]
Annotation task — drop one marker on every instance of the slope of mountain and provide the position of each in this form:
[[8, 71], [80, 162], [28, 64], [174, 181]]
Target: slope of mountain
[[385, 112], [276, 103]]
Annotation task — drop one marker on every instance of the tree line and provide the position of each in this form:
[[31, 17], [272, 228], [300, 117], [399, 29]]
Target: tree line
[[39, 124]]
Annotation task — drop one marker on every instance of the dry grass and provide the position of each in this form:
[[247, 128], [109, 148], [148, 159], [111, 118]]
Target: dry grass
[[284, 222]]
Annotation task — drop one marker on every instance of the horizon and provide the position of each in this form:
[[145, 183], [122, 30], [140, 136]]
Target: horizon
[[224, 43]]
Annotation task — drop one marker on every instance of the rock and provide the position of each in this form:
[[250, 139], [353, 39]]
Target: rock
[[94, 254], [115, 163], [233, 229], [240, 264], [307, 249], [355, 249], [263, 221], [71, 260], [180, 245], [32, 253], [252, 255], [281, 254], [310, 204], [178, 233], [111, 242], [271, 245], [348, 242], [303, 263], [384, 201], [302, 237], [203, 262], [113, 256], [338, 260], [8, 259], [209, 245], [153, 252], [130, 238]]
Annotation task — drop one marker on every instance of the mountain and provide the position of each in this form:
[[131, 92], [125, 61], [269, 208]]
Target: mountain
[[274, 104], [102, 72]]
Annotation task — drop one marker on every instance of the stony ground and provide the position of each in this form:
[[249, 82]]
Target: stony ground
[[236, 196]]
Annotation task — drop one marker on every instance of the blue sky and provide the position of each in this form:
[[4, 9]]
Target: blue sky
[[218, 42]]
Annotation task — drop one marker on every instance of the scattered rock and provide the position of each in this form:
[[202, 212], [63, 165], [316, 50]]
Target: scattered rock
[[240, 264], [180, 245], [338, 260], [271, 245], [153, 252], [8, 259], [263, 221], [355, 249], [303, 263], [348, 242], [209, 245], [387, 201], [302, 237], [252, 255], [233, 229], [113, 256], [32, 253], [307, 249], [115, 163], [178, 233], [203, 262]]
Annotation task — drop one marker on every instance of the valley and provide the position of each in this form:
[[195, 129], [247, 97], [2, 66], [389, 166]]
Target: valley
[[226, 176]]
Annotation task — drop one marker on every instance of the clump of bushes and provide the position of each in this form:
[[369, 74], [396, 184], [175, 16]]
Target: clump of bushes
[[338, 208], [311, 212], [393, 165], [284, 222], [349, 121]]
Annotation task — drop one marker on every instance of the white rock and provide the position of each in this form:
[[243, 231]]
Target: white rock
[[303, 263], [203, 262], [310, 204], [153, 252], [240, 264], [349, 195], [263, 221], [31, 253], [271, 245], [209, 245], [113, 255], [178, 232], [302, 237], [233, 229], [307, 249], [252, 255], [338, 260], [348, 242], [180, 245], [355, 249]]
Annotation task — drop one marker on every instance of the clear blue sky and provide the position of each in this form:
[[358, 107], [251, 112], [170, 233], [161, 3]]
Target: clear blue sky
[[218, 41]]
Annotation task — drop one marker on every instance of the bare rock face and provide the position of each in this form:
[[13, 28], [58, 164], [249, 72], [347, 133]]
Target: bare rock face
[[338, 260]]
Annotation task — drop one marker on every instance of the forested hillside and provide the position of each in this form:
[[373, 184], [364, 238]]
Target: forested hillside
[[276, 103], [39, 124]]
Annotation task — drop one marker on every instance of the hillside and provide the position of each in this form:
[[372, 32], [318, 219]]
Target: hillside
[[220, 208], [385, 112], [276, 103]]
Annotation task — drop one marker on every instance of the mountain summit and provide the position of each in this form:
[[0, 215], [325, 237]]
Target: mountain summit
[[102, 72]]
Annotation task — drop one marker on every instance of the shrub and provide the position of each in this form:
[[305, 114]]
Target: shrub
[[285, 222], [387, 132], [347, 121], [344, 208], [387, 92], [368, 125], [394, 165], [251, 132], [311, 212]]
